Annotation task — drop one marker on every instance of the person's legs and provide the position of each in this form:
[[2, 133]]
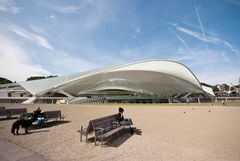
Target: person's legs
[[126, 122], [40, 121], [43, 122], [129, 121]]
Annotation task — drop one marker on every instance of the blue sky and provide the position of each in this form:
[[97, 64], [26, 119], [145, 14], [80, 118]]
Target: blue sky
[[43, 37]]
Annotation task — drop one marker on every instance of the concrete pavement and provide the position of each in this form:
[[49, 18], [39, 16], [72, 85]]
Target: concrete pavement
[[13, 152]]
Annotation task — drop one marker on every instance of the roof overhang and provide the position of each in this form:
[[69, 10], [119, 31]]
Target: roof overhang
[[158, 76]]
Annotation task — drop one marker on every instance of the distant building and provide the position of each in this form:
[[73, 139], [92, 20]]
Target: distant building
[[228, 90]]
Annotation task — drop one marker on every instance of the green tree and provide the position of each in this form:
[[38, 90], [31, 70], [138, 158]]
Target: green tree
[[40, 77], [4, 80], [215, 88], [35, 78]]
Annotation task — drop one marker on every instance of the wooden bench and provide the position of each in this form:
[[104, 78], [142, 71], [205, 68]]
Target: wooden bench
[[89, 130], [14, 111], [102, 128], [48, 115], [86, 131], [55, 115], [3, 112]]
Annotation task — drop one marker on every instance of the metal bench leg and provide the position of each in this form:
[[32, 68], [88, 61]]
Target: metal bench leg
[[101, 141], [9, 116], [81, 134], [95, 140]]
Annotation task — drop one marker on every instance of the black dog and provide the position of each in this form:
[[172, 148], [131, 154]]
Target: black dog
[[23, 123]]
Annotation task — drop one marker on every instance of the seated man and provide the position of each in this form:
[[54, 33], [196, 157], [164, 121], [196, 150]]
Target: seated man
[[121, 119], [38, 116]]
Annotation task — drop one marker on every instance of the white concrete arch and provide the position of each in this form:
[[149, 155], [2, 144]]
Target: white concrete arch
[[159, 77]]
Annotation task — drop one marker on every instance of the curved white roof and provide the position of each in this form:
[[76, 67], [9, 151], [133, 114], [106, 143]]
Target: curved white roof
[[163, 66], [160, 77]]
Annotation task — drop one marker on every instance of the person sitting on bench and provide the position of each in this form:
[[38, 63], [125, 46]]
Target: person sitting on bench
[[38, 116], [121, 118]]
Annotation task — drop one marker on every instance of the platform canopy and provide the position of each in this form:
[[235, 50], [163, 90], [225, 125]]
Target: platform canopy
[[153, 77]]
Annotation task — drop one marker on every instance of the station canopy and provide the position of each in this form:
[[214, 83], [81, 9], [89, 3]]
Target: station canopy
[[154, 77]]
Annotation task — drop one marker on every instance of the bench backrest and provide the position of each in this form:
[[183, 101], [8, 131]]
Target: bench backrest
[[3, 112], [16, 111], [52, 114], [96, 122], [104, 122], [46, 114]]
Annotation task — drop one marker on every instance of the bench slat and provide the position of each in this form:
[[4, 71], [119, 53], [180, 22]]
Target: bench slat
[[16, 111], [13, 111], [90, 127], [106, 135], [3, 112]]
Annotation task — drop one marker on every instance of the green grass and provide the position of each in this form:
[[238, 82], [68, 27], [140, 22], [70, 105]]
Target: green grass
[[153, 104], [228, 102], [172, 104]]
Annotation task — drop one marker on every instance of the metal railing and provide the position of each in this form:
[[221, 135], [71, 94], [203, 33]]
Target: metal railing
[[50, 100], [97, 100], [227, 99], [79, 100], [13, 100], [42, 100]]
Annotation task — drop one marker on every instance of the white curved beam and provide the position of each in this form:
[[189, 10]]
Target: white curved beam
[[160, 76]]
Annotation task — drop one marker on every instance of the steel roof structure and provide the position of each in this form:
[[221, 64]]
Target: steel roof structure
[[152, 77]]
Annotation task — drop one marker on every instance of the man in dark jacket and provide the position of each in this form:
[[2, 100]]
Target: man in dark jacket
[[38, 113]]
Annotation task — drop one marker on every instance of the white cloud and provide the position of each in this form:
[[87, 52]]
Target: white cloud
[[227, 76], [39, 40], [173, 24], [67, 9], [200, 57], [225, 58], [202, 60], [90, 13], [231, 47], [201, 26], [138, 30], [65, 63], [15, 63], [236, 2], [129, 53], [9, 6], [185, 44], [157, 49], [39, 30], [199, 36], [52, 18], [210, 39], [209, 66]]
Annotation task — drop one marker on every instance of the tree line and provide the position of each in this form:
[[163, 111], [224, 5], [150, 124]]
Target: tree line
[[5, 80]]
